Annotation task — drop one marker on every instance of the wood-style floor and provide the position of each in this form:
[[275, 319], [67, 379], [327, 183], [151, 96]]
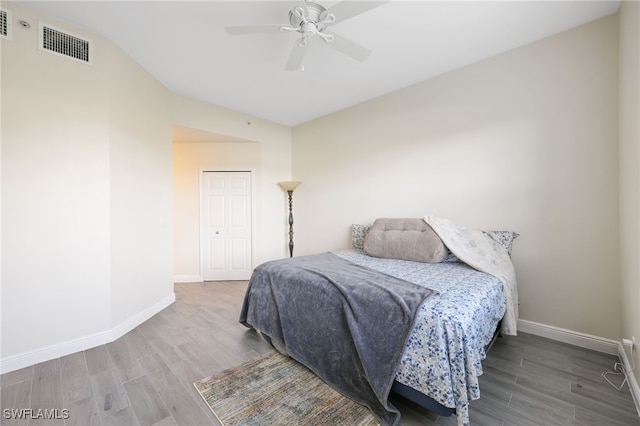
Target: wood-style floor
[[146, 377]]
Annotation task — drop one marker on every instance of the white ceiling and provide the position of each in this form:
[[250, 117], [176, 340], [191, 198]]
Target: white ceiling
[[184, 45]]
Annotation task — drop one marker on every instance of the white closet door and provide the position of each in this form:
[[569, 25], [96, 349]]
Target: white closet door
[[226, 225]]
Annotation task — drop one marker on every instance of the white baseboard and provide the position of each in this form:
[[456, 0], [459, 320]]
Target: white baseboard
[[27, 359], [631, 379], [187, 279], [582, 340], [129, 324]]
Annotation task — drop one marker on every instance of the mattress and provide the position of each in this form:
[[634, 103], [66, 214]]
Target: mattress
[[444, 352]]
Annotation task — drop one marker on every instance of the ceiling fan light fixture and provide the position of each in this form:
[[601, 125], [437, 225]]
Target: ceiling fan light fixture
[[300, 12], [326, 37], [329, 19]]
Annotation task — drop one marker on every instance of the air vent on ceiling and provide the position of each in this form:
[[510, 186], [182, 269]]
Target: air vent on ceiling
[[63, 43], [5, 24]]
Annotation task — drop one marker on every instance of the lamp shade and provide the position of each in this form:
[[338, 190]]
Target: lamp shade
[[289, 185]]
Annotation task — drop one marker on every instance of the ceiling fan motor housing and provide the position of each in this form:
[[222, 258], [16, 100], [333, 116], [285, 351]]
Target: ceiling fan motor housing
[[313, 14]]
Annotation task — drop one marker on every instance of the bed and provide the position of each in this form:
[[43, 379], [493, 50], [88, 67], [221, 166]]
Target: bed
[[373, 325]]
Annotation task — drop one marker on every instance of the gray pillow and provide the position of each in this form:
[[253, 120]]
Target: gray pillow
[[406, 239]]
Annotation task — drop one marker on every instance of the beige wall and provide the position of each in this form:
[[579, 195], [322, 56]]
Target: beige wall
[[270, 156], [87, 193], [190, 159], [86, 196], [140, 195], [629, 16], [524, 141], [56, 269]]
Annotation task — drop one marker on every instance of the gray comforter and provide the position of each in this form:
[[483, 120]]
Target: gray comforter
[[347, 323]]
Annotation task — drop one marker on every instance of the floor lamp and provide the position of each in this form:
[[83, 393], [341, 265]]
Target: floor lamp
[[289, 187]]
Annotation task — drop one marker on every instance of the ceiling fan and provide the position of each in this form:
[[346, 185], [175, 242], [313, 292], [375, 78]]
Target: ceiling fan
[[311, 20]]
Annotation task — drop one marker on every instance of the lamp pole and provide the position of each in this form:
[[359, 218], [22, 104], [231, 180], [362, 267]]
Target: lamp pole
[[290, 223], [289, 187]]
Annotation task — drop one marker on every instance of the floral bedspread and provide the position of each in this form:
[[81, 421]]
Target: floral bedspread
[[483, 253], [443, 355]]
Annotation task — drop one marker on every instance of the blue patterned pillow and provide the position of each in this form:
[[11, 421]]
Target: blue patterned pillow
[[505, 238], [358, 234]]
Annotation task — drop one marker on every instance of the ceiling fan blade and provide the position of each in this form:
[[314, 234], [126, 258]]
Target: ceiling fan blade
[[253, 29], [348, 9], [296, 56], [348, 47]]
